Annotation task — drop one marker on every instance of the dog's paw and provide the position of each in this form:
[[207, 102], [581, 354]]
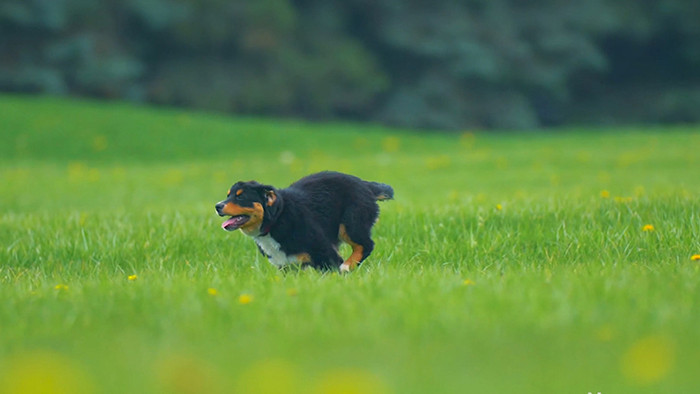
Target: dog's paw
[[344, 268]]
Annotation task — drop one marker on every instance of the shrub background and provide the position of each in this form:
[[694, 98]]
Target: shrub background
[[501, 64]]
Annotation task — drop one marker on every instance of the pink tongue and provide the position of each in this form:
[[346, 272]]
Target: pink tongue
[[231, 221]]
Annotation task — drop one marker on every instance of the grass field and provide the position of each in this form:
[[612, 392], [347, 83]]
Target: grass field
[[508, 263]]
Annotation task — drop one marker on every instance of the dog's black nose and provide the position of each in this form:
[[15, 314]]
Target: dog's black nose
[[219, 206]]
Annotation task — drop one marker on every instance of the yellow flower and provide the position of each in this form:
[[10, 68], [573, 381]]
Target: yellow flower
[[77, 171], [648, 227], [271, 375], [499, 207], [695, 257], [245, 299], [132, 277], [44, 372], [467, 139], [93, 175], [438, 162], [212, 291], [605, 194], [468, 282], [99, 143], [453, 196], [347, 381], [648, 361], [391, 144], [605, 333], [61, 286]]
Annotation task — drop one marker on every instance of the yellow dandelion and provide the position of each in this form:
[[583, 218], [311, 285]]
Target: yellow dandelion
[[77, 171], [467, 139], [438, 162], [212, 291], [648, 227], [361, 143], [245, 299], [173, 178], [502, 164], [93, 175], [648, 361], [468, 282], [99, 143], [453, 196], [61, 286], [271, 376], [605, 333], [184, 120], [350, 381], [44, 372], [605, 194], [118, 174], [499, 207], [695, 257], [391, 144], [132, 277]]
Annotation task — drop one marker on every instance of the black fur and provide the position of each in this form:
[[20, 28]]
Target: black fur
[[306, 217]]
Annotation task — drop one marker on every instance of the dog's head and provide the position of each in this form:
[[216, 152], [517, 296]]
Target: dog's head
[[251, 206]]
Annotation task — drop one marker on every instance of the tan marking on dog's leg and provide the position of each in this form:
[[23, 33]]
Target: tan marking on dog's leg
[[351, 262], [303, 258]]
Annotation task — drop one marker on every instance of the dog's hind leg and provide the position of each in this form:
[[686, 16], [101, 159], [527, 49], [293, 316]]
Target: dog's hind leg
[[355, 230], [361, 244]]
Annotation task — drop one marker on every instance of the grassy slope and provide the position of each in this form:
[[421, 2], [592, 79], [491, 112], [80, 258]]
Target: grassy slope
[[566, 292]]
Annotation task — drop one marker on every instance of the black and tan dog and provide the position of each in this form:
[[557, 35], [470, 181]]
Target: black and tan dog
[[305, 223]]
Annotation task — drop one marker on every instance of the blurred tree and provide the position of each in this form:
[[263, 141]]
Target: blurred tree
[[509, 61], [444, 64], [653, 73]]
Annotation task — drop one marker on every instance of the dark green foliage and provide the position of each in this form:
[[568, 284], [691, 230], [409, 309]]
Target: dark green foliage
[[432, 64]]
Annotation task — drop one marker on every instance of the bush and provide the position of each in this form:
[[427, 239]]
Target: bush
[[502, 64]]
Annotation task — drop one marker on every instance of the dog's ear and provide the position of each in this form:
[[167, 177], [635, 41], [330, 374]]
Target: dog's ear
[[273, 202], [270, 196], [269, 193]]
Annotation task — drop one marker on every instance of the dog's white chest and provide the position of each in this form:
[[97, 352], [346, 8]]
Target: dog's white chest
[[274, 252]]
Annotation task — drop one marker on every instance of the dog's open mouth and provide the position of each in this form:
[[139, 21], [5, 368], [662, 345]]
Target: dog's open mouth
[[235, 222]]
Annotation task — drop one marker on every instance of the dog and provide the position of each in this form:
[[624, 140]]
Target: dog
[[304, 223]]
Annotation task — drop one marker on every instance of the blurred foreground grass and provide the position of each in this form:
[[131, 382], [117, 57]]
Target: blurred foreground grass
[[507, 263]]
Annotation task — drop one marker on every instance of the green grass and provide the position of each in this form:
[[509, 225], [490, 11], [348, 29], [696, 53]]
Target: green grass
[[499, 268]]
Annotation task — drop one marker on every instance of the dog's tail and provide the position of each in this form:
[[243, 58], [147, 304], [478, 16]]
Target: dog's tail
[[381, 191]]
